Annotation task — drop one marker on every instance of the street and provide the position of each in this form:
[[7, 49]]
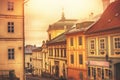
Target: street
[[36, 78]]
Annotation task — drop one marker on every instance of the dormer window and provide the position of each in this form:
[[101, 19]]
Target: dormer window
[[109, 20], [117, 14]]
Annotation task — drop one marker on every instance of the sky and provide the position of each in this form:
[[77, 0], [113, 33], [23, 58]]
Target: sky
[[40, 13]]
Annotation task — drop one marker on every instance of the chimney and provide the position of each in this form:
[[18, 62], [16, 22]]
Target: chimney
[[105, 4]]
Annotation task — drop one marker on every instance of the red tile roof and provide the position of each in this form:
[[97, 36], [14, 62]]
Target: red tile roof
[[109, 20]]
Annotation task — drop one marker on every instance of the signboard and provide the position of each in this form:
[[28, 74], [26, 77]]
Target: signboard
[[99, 63]]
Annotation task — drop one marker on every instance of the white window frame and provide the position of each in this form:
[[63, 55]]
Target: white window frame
[[116, 50], [92, 50], [102, 51]]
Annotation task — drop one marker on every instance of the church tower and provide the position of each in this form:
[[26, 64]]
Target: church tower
[[63, 15]]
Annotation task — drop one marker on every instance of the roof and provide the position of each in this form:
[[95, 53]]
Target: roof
[[109, 20], [38, 49], [82, 26], [28, 51], [60, 38], [62, 24]]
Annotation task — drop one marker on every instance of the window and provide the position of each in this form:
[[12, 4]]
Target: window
[[61, 52], [89, 71], [92, 44], [71, 41], [80, 40], [50, 52], [116, 45], [80, 59], [10, 6], [64, 52], [92, 69], [55, 52], [102, 45], [11, 53], [107, 72], [10, 27], [99, 72], [72, 59], [49, 36]]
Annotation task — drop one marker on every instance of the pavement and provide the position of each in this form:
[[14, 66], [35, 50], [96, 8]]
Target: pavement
[[37, 78]]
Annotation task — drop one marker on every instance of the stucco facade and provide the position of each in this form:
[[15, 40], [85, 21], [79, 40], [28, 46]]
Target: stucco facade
[[12, 37], [37, 59], [76, 51]]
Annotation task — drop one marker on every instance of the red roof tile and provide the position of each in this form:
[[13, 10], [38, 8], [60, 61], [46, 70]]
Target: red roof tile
[[109, 20]]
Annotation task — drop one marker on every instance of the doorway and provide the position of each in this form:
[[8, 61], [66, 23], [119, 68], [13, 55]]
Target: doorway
[[117, 71]]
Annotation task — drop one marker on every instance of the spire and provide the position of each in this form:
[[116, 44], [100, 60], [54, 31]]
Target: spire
[[63, 15]]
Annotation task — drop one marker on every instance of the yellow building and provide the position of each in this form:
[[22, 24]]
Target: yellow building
[[37, 59], [11, 39], [57, 56], [60, 26], [76, 51], [103, 45]]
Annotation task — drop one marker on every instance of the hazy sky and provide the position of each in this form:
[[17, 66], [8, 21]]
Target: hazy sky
[[40, 13]]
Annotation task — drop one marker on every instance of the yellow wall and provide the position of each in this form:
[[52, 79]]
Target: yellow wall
[[75, 68], [76, 49], [55, 33]]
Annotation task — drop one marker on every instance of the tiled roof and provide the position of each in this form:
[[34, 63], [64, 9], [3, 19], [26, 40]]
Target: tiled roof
[[82, 26], [60, 25], [109, 20], [58, 39]]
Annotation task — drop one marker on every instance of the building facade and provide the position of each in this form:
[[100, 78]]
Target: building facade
[[37, 59], [103, 45], [28, 57], [45, 63], [57, 56], [12, 38], [76, 51]]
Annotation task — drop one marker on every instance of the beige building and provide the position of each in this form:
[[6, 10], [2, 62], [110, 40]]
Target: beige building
[[37, 61], [12, 38], [57, 56], [45, 63]]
